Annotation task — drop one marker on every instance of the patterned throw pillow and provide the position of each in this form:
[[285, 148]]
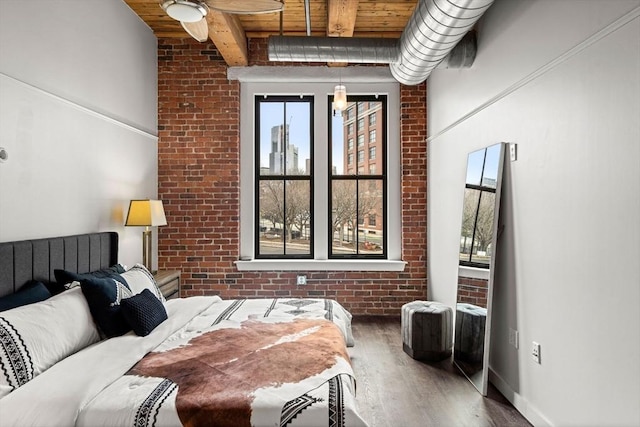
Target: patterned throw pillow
[[104, 296], [143, 312], [139, 278], [34, 337], [64, 277]]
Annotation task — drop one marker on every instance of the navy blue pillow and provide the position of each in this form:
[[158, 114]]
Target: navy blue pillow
[[104, 296], [32, 291], [143, 312], [64, 276]]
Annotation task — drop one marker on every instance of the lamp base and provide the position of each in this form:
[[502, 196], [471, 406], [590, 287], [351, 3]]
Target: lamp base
[[147, 246]]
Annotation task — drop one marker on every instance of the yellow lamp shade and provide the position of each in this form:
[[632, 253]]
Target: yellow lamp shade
[[148, 213]]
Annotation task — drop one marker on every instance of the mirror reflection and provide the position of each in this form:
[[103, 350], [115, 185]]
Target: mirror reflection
[[479, 207], [477, 244]]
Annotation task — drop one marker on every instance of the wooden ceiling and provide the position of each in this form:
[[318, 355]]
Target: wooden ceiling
[[335, 18]]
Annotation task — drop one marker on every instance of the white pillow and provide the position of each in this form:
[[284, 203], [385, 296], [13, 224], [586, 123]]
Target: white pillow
[[34, 337], [139, 278]]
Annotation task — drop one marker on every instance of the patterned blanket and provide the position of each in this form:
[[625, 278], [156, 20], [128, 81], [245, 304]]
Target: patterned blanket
[[269, 362]]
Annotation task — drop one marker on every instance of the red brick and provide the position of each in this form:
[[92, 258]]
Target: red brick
[[198, 180]]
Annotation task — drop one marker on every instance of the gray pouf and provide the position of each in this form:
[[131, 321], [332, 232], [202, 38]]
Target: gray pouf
[[427, 330], [470, 325]]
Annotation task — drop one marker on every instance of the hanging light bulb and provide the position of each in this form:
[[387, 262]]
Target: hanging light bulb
[[340, 98]]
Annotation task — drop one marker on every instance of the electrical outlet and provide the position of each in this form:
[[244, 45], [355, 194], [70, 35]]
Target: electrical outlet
[[513, 338], [513, 151], [535, 352], [301, 280]]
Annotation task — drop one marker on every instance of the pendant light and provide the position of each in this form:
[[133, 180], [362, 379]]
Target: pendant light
[[340, 97]]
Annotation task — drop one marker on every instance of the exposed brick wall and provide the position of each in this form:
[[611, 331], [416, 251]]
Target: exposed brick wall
[[473, 291], [198, 178]]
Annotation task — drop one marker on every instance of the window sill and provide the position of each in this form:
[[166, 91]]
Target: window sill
[[319, 265], [473, 272]]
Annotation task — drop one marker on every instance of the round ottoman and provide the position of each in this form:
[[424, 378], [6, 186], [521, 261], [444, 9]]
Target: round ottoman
[[470, 325], [427, 330]]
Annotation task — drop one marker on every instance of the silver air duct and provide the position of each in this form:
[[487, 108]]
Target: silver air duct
[[432, 32], [332, 49]]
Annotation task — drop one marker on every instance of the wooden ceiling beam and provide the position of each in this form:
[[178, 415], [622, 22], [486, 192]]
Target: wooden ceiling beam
[[341, 17], [227, 33]]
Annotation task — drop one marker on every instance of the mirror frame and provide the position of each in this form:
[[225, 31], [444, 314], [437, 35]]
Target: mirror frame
[[480, 379]]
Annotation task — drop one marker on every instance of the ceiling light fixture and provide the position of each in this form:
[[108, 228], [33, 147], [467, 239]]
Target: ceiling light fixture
[[340, 97], [247, 7], [198, 30], [185, 10]]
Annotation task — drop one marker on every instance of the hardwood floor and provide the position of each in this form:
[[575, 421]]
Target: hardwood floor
[[394, 390]]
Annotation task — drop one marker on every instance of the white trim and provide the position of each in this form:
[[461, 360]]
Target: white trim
[[319, 265], [522, 405], [317, 74], [84, 109], [473, 272], [320, 91]]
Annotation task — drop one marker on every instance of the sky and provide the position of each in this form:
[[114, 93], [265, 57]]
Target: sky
[[475, 161], [297, 116]]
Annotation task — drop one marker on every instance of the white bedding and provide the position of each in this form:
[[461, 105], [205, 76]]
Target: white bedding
[[96, 387]]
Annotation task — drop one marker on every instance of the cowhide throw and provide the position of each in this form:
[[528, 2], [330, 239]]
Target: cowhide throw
[[218, 372]]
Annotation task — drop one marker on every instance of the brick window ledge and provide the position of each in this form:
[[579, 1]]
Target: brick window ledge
[[319, 265]]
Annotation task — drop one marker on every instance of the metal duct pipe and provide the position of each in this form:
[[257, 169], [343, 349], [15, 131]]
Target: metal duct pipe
[[431, 33], [463, 54], [332, 49]]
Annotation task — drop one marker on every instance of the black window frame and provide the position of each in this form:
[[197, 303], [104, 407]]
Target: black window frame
[[380, 176], [259, 99]]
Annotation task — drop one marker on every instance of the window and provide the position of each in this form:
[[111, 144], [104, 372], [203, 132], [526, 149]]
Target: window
[[284, 184], [360, 124], [372, 136], [325, 171], [350, 128], [350, 144], [478, 207], [372, 119], [350, 158], [360, 140], [355, 198]]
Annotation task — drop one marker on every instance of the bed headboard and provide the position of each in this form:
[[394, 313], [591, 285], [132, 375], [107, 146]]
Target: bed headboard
[[25, 260]]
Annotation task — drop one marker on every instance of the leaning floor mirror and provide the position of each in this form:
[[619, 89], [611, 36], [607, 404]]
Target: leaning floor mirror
[[478, 239]]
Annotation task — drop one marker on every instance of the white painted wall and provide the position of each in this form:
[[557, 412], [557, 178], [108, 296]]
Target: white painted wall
[[562, 80], [78, 118]]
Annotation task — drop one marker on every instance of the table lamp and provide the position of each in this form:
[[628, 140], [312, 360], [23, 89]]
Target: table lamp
[[147, 213]]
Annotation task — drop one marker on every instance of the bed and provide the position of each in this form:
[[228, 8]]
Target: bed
[[87, 342]]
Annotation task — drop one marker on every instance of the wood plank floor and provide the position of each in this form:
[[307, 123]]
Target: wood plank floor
[[394, 390]]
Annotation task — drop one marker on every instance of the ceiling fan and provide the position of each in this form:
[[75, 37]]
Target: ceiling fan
[[192, 13]]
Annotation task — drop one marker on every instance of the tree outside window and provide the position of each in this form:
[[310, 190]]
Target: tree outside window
[[357, 200], [479, 207], [284, 185]]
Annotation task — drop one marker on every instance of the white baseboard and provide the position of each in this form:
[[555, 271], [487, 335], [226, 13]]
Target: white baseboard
[[521, 404]]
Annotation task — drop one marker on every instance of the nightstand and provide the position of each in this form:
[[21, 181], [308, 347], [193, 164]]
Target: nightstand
[[169, 283]]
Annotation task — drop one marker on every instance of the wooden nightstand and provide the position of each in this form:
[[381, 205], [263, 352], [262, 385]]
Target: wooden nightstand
[[169, 283]]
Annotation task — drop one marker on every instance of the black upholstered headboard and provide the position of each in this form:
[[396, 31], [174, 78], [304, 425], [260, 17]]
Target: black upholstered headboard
[[25, 260]]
